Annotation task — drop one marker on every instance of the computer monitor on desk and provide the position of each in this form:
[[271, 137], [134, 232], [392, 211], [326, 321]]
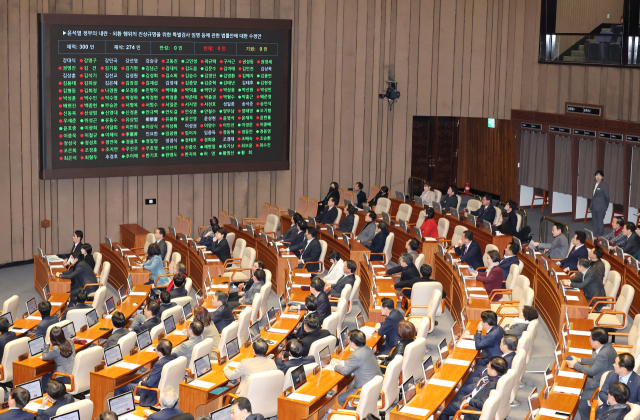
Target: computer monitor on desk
[[34, 387], [298, 377], [454, 213]]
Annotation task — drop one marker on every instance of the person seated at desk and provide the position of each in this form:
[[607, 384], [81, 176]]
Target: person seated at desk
[[559, 247], [223, 314], [508, 346], [348, 277], [6, 336], [178, 268], [220, 247], [589, 281], [206, 236], [491, 278], [81, 298], [241, 409], [251, 365], [63, 352], [295, 349], [168, 400], [428, 196], [407, 268], [57, 396], [118, 322], [247, 296], [311, 250], [389, 327], [600, 362], [310, 332], [323, 307], [488, 344], [291, 233], [298, 241], [369, 230], [362, 364], [570, 263], [383, 193], [44, 307], [178, 289], [485, 212], [425, 275], [108, 415], [150, 314], [633, 240], [429, 228], [80, 274], [510, 258], [194, 332], [450, 199], [379, 241], [615, 237], [158, 234], [87, 255], [337, 267], [407, 333], [496, 367], [595, 264], [622, 373], [510, 208], [165, 303], [346, 226], [154, 265], [505, 226], [209, 328], [468, 250], [330, 212], [359, 195], [18, 399], [333, 193], [412, 246], [150, 398], [520, 324], [618, 405], [76, 247]]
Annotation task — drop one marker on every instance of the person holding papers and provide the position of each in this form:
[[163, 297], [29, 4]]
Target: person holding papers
[[590, 283], [594, 367], [491, 278], [150, 398], [295, 349], [150, 313], [520, 324], [117, 321], [250, 365], [559, 247], [389, 328], [6, 336], [223, 315], [622, 373], [18, 399], [63, 352], [168, 400], [194, 332], [44, 307], [618, 403], [468, 250], [489, 343], [362, 364], [57, 396]]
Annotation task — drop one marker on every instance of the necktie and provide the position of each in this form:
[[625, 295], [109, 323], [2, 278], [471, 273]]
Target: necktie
[[466, 248]]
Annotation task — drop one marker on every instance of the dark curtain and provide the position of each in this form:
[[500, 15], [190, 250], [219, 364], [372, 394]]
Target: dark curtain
[[613, 171], [533, 160], [562, 165], [587, 166], [634, 196]]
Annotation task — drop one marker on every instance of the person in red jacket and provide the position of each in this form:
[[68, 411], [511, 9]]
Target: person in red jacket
[[492, 277], [429, 228]]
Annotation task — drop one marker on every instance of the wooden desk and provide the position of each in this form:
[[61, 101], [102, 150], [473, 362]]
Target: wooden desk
[[481, 236], [133, 236], [120, 272], [42, 277]]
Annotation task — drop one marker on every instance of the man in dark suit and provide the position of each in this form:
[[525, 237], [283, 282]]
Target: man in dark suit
[[44, 308], [178, 289], [168, 400], [361, 197], [495, 369], [425, 275], [312, 332], [633, 240], [389, 328], [450, 199], [486, 212], [165, 303], [601, 362], [599, 204], [299, 240], [591, 284], [77, 245], [295, 349], [223, 315], [158, 234], [510, 258], [489, 344], [242, 407], [118, 322], [622, 372], [379, 241], [407, 268], [56, 395], [311, 250], [150, 313], [509, 207], [508, 346], [618, 400], [579, 251], [220, 247], [323, 307], [18, 399], [6, 336], [349, 277], [81, 298], [150, 398], [80, 274], [468, 250], [329, 213]]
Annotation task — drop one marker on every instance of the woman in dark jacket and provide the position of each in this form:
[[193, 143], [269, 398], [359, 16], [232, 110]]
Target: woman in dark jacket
[[407, 333], [384, 192], [346, 225], [505, 226], [86, 250]]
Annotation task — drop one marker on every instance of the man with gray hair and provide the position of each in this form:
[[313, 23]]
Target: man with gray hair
[[168, 400], [249, 366], [406, 267]]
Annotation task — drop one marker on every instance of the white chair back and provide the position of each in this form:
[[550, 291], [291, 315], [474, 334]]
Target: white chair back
[[175, 259], [419, 261], [412, 362], [199, 350], [226, 335], [238, 249], [262, 390], [634, 414], [78, 317], [457, 233], [188, 285], [12, 350], [60, 324], [84, 407], [255, 307], [424, 327], [390, 383], [474, 204], [369, 397], [155, 331], [383, 205], [83, 365], [443, 227], [231, 238], [181, 301], [265, 293], [354, 294], [404, 212], [388, 245], [533, 331], [97, 258], [356, 220], [244, 319], [438, 195], [173, 373], [272, 224], [100, 296], [330, 323], [612, 284], [504, 387], [435, 307], [318, 345], [104, 273], [338, 217], [421, 295], [490, 407], [519, 224], [607, 269], [518, 365], [342, 313], [624, 303], [127, 342], [308, 370], [11, 305], [169, 250], [514, 272], [175, 312]]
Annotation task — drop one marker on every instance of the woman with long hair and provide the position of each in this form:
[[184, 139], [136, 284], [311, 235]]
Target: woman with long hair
[[63, 352]]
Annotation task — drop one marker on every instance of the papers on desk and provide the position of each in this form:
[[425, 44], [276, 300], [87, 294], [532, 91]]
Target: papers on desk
[[476, 289], [107, 317], [303, 274], [378, 266], [57, 266], [478, 296], [18, 330], [32, 406], [202, 384], [499, 234], [127, 365], [561, 273], [130, 416], [323, 228], [567, 390], [137, 294], [386, 294], [549, 412], [297, 286], [463, 265], [150, 349], [56, 303], [219, 286], [430, 239], [368, 331], [233, 364], [212, 260], [415, 411], [300, 397], [207, 252], [289, 316], [466, 344], [125, 249], [573, 298], [278, 331], [290, 256], [179, 332], [34, 318], [132, 256], [575, 375], [383, 278], [578, 332], [457, 361], [580, 351], [54, 258], [200, 246], [441, 382]]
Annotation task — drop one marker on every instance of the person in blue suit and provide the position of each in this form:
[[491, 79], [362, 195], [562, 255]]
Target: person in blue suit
[[489, 344], [322, 300], [18, 399], [378, 242], [150, 398], [296, 358], [168, 400], [57, 396], [486, 212], [622, 372], [468, 250], [508, 346], [510, 258], [299, 240], [48, 320], [389, 328], [579, 251], [6, 336]]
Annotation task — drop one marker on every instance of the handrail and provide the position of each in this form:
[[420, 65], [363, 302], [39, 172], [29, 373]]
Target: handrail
[[544, 227]]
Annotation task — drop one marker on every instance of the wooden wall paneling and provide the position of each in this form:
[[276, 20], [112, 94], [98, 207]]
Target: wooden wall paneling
[[131, 210], [626, 95], [328, 75], [563, 88], [64, 6], [30, 207], [300, 104], [542, 96], [446, 49], [263, 191], [456, 80], [151, 215], [36, 185], [90, 7], [425, 52], [516, 96], [594, 74], [284, 192], [504, 53], [114, 204], [91, 208], [77, 186], [412, 81], [359, 96], [613, 93], [551, 90], [149, 7], [634, 88], [369, 92], [76, 7], [348, 92], [385, 69], [199, 8], [337, 92], [266, 9], [435, 56], [207, 205], [533, 41], [586, 15], [488, 109], [577, 87], [186, 195], [6, 251], [164, 7], [187, 7], [373, 54], [253, 206], [467, 44], [528, 48], [55, 227], [198, 204], [476, 95]]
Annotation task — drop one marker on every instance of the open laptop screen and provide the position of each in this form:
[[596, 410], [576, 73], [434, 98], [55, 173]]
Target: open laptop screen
[[69, 331], [186, 310], [34, 388], [232, 348], [202, 365], [92, 318], [144, 340], [112, 355], [110, 305], [36, 346], [324, 356], [122, 404], [32, 306], [298, 377], [8, 318], [443, 349], [408, 390], [223, 413], [74, 415], [427, 368], [169, 325]]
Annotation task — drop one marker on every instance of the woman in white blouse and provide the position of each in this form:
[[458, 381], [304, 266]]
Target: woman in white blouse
[[428, 196], [337, 268]]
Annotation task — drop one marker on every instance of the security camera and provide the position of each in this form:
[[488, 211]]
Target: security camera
[[392, 93]]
